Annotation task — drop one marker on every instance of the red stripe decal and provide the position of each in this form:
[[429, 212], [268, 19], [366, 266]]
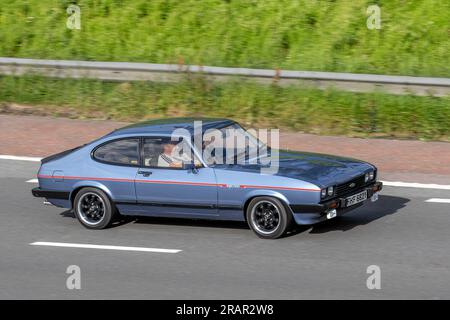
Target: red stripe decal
[[130, 180], [245, 186], [85, 178], [200, 184]]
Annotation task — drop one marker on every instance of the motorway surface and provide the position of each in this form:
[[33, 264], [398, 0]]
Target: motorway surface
[[402, 233]]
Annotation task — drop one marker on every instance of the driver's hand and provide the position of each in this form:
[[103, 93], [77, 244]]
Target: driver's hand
[[175, 165]]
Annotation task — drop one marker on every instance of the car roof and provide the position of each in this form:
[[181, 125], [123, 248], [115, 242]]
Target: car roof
[[167, 126]]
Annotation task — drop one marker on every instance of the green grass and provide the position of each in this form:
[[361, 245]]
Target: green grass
[[291, 34], [307, 110]]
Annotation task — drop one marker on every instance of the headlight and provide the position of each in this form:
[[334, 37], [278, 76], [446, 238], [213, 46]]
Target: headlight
[[330, 191], [369, 176], [327, 192]]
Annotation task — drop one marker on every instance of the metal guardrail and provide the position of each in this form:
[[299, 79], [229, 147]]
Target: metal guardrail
[[128, 71]]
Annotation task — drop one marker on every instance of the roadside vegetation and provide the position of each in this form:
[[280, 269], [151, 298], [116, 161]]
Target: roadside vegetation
[[289, 34], [292, 108], [301, 35]]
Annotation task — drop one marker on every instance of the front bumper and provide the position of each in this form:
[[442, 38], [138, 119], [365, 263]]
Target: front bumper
[[314, 213]]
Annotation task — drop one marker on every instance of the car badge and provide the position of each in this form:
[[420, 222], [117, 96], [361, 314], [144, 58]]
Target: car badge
[[351, 185]]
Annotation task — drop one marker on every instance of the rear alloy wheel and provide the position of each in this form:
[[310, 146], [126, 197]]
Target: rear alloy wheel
[[268, 218], [93, 208]]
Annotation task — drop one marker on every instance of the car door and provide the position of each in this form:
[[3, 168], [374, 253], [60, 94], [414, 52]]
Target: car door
[[173, 191]]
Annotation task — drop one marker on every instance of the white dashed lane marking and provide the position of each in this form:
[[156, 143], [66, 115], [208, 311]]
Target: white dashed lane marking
[[103, 247], [438, 200], [416, 185], [18, 158], [32, 181]]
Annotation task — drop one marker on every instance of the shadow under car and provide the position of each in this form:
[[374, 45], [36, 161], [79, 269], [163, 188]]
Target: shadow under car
[[386, 205]]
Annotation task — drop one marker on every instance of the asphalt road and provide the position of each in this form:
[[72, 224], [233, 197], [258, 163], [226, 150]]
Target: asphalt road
[[407, 237]]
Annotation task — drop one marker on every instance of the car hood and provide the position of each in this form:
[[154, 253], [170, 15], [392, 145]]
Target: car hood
[[320, 169]]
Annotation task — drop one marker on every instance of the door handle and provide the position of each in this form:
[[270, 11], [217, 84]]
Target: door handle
[[145, 173]]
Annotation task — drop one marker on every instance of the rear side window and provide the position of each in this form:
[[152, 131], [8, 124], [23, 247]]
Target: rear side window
[[122, 152]]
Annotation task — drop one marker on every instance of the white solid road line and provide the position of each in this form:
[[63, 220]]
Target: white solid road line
[[102, 247], [416, 185], [438, 200], [386, 183], [17, 158]]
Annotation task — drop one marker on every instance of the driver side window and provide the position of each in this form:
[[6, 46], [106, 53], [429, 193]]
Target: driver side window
[[162, 152]]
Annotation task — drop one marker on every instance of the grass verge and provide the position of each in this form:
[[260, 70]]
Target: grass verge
[[300, 35], [299, 109]]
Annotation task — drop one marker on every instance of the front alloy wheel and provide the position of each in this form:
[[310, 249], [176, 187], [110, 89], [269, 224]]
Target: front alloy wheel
[[268, 217]]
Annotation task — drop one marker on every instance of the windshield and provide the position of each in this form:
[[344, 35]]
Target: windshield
[[230, 145]]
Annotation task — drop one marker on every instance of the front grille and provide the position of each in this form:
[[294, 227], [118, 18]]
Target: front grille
[[346, 188]]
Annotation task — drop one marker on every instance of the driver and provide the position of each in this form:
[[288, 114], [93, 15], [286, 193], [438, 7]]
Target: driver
[[171, 157]]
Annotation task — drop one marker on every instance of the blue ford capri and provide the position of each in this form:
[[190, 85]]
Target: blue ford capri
[[134, 171]]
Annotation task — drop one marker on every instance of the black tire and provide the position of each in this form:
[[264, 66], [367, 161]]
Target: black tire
[[94, 209], [268, 217]]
